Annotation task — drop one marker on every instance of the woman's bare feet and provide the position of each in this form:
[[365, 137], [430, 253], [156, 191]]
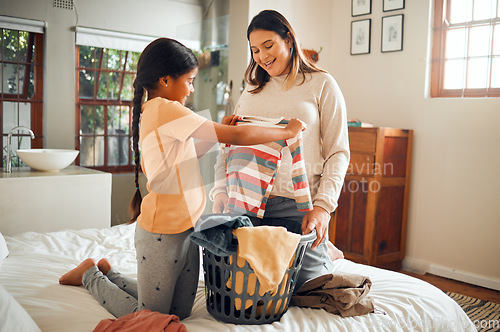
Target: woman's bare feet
[[74, 277], [334, 252], [104, 266]]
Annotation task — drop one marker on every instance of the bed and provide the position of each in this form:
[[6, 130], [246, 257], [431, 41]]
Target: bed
[[30, 273]]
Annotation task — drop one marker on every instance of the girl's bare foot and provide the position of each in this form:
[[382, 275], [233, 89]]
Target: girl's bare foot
[[334, 252], [74, 277], [104, 266]]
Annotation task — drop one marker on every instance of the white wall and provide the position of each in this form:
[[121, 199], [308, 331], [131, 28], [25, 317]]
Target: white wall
[[239, 54]]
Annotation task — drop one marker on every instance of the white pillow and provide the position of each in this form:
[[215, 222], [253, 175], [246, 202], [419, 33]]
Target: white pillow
[[14, 317], [4, 251]]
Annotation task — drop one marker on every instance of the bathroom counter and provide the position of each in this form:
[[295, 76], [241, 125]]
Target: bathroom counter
[[73, 198], [26, 172]]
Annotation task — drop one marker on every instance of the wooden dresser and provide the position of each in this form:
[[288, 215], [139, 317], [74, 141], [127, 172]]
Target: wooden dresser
[[369, 225]]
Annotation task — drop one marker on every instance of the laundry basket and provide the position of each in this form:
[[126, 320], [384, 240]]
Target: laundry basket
[[229, 306]]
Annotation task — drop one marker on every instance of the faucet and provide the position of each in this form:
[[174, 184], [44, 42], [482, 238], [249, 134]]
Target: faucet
[[8, 167]]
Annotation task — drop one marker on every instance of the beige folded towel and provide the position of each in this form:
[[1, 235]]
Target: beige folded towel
[[268, 250]]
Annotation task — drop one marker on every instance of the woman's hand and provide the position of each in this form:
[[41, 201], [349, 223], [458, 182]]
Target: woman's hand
[[229, 120], [220, 203], [295, 126], [317, 219]]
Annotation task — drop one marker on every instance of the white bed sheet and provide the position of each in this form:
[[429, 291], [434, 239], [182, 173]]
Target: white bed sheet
[[37, 260]]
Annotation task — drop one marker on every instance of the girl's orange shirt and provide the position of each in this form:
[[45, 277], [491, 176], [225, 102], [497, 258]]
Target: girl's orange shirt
[[176, 193]]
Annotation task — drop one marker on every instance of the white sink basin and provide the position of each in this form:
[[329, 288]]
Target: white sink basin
[[47, 160]]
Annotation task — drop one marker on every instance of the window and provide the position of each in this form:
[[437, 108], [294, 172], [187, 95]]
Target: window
[[21, 90], [106, 65], [104, 109], [466, 49]]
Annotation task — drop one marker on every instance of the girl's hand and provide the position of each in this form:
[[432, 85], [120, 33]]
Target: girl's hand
[[295, 126], [229, 120]]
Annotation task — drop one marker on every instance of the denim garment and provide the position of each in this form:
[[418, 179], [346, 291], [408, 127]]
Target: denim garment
[[214, 232]]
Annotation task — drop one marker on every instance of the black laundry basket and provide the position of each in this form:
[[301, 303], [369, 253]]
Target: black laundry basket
[[221, 300]]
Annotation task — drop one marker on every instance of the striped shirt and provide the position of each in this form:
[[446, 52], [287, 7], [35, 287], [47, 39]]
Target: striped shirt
[[251, 171]]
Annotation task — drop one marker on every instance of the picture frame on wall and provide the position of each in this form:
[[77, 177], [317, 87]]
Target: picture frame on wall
[[360, 36], [390, 5], [392, 33], [361, 7]]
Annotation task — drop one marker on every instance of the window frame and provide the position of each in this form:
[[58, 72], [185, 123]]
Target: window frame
[[35, 58], [105, 103], [440, 27]]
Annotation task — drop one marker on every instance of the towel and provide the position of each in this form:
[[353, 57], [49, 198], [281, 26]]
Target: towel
[[268, 250], [144, 320], [342, 294]]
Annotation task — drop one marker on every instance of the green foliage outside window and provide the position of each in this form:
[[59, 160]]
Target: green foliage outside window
[[14, 45], [113, 71], [105, 78], [18, 101], [16, 58]]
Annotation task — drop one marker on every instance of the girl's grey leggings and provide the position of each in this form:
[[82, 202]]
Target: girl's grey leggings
[[167, 277]]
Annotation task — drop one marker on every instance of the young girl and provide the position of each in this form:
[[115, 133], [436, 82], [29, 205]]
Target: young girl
[[167, 261]]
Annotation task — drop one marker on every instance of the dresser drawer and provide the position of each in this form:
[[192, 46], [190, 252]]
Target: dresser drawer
[[361, 164], [362, 141]]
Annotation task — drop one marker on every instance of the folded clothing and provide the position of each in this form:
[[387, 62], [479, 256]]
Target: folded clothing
[[342, 294], [144, 320], [214, 232]]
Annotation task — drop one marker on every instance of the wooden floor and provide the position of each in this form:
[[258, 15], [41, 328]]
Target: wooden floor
[[459, 287]]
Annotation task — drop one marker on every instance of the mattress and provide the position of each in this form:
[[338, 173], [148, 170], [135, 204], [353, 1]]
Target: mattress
[[36, 261]]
